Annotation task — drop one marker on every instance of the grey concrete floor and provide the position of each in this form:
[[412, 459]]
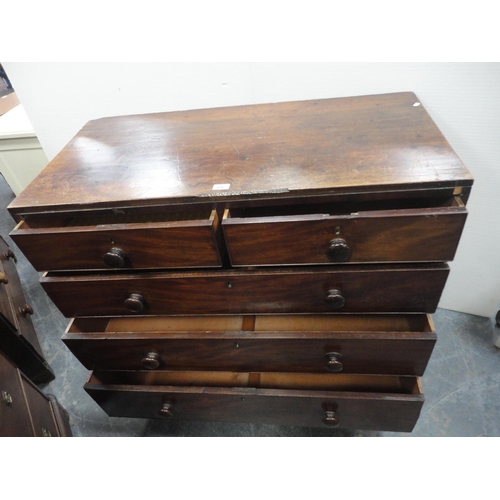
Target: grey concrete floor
[[461, 383]]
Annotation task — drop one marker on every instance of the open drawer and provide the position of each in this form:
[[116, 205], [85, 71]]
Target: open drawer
[[410, 230], [350, 401], [174, 239], [376, 344]]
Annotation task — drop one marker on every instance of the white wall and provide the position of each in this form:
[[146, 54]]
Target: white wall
[[462, 98]]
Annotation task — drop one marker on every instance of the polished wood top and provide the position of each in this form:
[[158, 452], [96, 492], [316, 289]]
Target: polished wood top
[[285, 149]]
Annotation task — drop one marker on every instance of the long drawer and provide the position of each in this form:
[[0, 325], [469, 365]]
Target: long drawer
[[371, 344], [392, 231], [338, 288], [349, 401], [171, 239]]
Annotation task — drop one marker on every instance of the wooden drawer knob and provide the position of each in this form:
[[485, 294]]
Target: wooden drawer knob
[[330, 419], [116, 257], [151, 361], [334, 299], [9, 254], [333, 363], [166, 410], [134, 303], [3, 278], [338, 250], [25, 310]]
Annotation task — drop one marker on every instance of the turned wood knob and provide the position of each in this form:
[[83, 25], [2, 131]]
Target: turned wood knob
[[116, 257], [134, 303], [9, 254], [330, 419], [338, 250], [166, 410], [3, 278], [334, 299], [151, 361], [25, 310], [333, 363]]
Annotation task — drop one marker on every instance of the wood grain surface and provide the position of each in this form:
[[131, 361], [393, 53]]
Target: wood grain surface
[[268, 150]]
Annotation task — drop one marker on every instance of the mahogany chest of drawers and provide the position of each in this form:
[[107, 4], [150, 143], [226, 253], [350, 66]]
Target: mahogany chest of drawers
[[273, 263]]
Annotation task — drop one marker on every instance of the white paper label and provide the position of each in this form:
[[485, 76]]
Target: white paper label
[[220, 187]]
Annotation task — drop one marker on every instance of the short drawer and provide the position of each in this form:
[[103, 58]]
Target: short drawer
[[370, 344], [335, 400], [337, 288], [376, 232], [174, 239]]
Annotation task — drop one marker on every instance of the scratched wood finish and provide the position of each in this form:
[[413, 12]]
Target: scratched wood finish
[[378, 289], [270, 150], [186, 244], [412, 235], [395, 406], [388, 349]]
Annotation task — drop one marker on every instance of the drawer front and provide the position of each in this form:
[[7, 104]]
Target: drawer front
[[406, 235], [133, 245], [378, 289], [392, 344], [41, 412], [359, 409], [14, 415], [13, 305], [7, 314]]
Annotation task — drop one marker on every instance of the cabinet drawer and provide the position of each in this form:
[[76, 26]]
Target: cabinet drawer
[[18, 338], [372, 344], [13, 304], [179, 239], [14, 412], [339, 288], [348, 401], [377, 232], [42, 416]]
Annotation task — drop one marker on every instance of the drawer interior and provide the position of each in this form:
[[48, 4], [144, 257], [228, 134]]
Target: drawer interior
[[82, 220], [369, 323], [290, 381], [346, 208]]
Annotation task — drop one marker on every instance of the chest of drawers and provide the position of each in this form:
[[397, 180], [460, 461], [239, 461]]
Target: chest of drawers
[[273, 263], [24, 410], [18, 338]]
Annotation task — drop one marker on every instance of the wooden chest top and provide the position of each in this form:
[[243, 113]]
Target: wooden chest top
[[285, 149]]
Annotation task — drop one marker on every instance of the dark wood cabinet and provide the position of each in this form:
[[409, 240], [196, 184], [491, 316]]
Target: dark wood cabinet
[[24, 410], [272, 263], [18, 338]]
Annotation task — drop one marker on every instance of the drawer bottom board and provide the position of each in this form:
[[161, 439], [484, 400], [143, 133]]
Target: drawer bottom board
[[388, 403]]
